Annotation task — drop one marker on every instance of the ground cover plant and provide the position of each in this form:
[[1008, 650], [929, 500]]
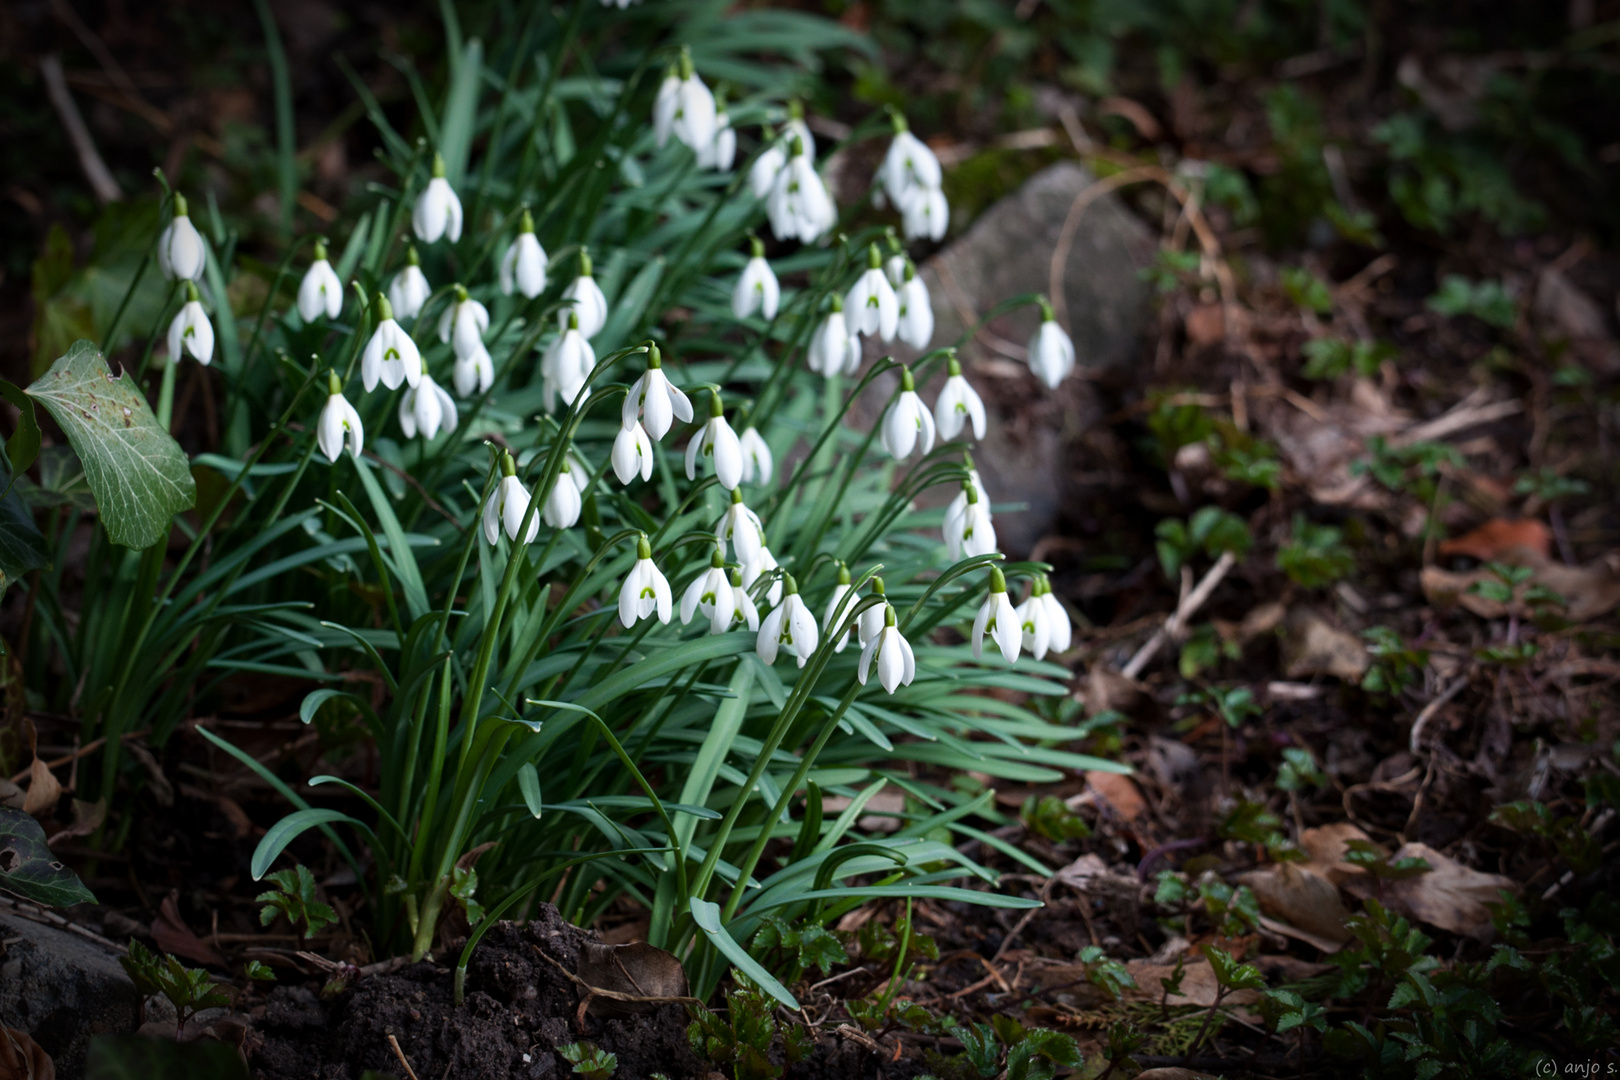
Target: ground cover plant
[[419, 656]]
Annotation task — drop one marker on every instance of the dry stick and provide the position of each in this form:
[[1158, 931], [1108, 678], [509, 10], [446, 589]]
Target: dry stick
[[1598, 826], [611, 995], [1433, 707], [1018, 928], [88, 748], [1186, 609], [95, 169], [410, 1073]]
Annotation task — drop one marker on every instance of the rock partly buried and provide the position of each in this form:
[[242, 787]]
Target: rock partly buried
[[518, 1010], [63, 990]]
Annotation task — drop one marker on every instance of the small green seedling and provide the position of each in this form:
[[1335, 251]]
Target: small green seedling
[[189, 990], [294, 897], [589, 1060]]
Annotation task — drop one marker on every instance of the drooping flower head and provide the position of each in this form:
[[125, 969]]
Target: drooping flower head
[[870, 307], [1044, 623], [390, 355], [523, 267], [181, 252], [907, 425], [655, 399], [834, 348], [741, 528], [968, 529], [719, 444], [190, 331], [425, 407], [563, 501], [320, 292], [998, 619], [566, 365], [757, 288], [584, 298], [896, 664], [1051, 352], [799, 206], [916, 323], [463, 324], [871, 620], [830, 618], [770, 162], [508, 505], [338, 420], [645, 590], [409, 290], [720, 153], [438, 210], [632, 454], [757, 461], [958, 404], [789, 627], [710, 593]]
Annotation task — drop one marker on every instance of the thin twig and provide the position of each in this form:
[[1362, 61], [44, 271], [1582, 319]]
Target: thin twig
[[410, 1073], [1433, 707], [95, 169], [1185, 610]]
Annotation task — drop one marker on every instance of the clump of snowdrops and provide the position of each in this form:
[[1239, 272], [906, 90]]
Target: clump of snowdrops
[[541, 474]]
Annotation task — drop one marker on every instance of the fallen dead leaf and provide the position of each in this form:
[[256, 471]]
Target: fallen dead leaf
[[1313, 645], [1118, 791], [1206, 324], [87, 818], [1588, 591], [1327, 844], [1499, 538], [1302, 902], [1080, 873], [1450, 896], [1198, 985], [172, 934], [43, 790], [21, 1058], [1172, 1072], [639, 968]]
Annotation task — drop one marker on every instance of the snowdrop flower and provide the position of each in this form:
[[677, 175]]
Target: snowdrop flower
[[789, 626], [1051, 353], [191, 331], [390, 355], [655, 399], [741, 527], [718, 442], [797, 128], [463, 324], [685, 109], [767, 166], [632, 454], [508, 505], [799, 205], [968, 529], [756, 289], [894, 267], [870, 303], [958, 404], [474, 374], [563, 502], [338, 419], [320, 291], [870, 622], [925, 214], [909, 166], [907, 423], [960, 502], [831, 617], [410, 289], [711, 594], [426, 407], [834, 348], [575, 468], [1044, 623], [896, 665], [743, 611], [565, 365], [523, 267], [759, 567], [645, 590], [665, 104], [438, 211], [997, 618], [584, 298], [757, 462], [181, 252], [720, 152], [916, 323]]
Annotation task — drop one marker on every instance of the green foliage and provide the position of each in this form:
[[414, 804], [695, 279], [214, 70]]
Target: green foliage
[[1373, 859], [1252, 823], [1203, 650], [136, 1057], [1410, 468], [1171, 271], [28, 869], [807, 945], [1284, 1011], [1315, 555], [1005, 1044], [294, 896], [189, 990], [1331, 357], [1235, 911], [589, 1060], [1548, 486], [1299, 770], [1109, 975], [463, 884], [1210, 530], [1436, 179], [1230, 975], [254, 971], [1396, 667], [1050, 816], [1306, 290], [742, 1039], [1486, 301], [1563, 832]]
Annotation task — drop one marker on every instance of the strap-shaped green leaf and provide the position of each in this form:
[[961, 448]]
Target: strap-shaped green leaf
[[137, 472], [288, 829], [707, 917], [22, 545]]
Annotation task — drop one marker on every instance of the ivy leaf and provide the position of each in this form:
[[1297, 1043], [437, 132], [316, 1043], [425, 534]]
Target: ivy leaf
[[28, 868], [137, 472]]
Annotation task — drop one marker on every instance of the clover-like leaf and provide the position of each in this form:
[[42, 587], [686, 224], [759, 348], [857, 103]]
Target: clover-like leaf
[[137, 472], [28, 868]]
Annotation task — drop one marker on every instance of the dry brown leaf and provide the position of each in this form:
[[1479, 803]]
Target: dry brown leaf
[[638, 968], [21, 1058], [1172, 1072], [87, 818], [1206, 324], [1312, 645], [1198, 985], [1119, 792], [43, 790], [1499, 538], [1304, 901], [1588, 591], [1327, 844], [1082, 872], [11, 795], [172, 935], [1450, 896]]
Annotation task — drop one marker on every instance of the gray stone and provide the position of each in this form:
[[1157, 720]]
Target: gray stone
[[63, 990]]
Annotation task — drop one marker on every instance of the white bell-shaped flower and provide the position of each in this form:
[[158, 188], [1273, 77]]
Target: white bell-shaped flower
[[508, 505], [719, 444], [960, 501], [694, 118], [320, 292], [958, 405], [632, 454], [757, 288], [909, 165], [767, 167], [463, 324], [438, 210], [789, 627], [831, 618], [711, 594], [925, 214], [834, 348], [871, 620], [584, 298], [1044, 623], [998, 619], [916, 323], [665, 104], [720, 153], [565, 365], [645, 590], [762, 565], [655, 399], [338, 421], [896, 665], [182, 255], [190, 331], [757, 462], [968, 529], [474, 374], [390, 355], [743, 611], [1051, 352], [426, 408], [907, 425], [799, 206], [894, 267], [578, 471], [409, 290], [870, 306], [563, 502], [741, 528], [523, 267]]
